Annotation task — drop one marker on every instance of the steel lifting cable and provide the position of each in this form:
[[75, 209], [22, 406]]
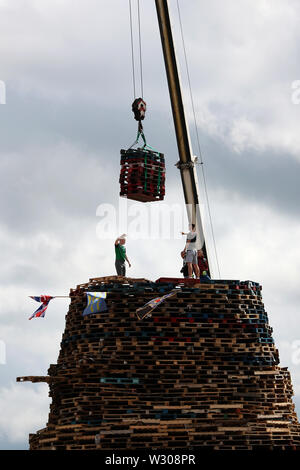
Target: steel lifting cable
[[132, 50], [138, 105], [198, 140], [140, 49]]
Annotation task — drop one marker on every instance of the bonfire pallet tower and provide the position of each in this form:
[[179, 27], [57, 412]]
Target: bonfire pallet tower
[[201, 372]]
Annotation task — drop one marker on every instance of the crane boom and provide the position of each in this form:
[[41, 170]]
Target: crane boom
[[186, 163]]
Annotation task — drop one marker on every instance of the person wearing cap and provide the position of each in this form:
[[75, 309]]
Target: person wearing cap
[[191, 251], [121, 256]]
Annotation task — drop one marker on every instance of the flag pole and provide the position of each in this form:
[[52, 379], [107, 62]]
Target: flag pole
[[55, 296]]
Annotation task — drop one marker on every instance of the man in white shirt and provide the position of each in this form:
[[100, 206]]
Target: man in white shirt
[[191, 251]]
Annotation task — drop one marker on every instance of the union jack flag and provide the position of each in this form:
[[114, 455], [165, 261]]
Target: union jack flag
[[40, 312], [146, 310]]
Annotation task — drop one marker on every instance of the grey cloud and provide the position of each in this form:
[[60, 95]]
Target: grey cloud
[[269, 178]]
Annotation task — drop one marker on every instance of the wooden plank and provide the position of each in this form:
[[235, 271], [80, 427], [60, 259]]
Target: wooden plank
[[232, 405]]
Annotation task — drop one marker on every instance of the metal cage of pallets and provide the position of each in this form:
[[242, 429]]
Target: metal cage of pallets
[[142, 176]]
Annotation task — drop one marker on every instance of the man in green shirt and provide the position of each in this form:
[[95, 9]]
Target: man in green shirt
[[120, 251]]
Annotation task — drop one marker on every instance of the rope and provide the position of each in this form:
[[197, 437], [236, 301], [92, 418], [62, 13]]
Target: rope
[[140, 133], [198, 140], [145, 162], [132, 52], [158, 180]]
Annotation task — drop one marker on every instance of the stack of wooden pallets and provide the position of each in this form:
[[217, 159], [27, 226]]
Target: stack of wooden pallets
[[142, 176], [202, 372]]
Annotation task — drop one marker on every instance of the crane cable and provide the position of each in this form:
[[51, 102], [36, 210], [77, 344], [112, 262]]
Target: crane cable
[[140, 49], [132, 51], [198, 140]]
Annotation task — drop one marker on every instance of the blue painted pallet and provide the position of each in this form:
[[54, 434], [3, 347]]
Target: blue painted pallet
[[266, 340], [119, 380]]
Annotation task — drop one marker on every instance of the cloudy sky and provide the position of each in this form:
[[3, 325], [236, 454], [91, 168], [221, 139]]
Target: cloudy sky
[[66, 65]]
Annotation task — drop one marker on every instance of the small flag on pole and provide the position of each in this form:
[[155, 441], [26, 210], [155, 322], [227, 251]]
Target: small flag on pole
[[95, 303], [40, 312], [146, 310]]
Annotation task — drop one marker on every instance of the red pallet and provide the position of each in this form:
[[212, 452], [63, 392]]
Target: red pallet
[[142, 175]]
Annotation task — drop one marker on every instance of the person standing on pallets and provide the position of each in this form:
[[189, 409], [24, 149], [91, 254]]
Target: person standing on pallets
[[191, 251], [121, 256]]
